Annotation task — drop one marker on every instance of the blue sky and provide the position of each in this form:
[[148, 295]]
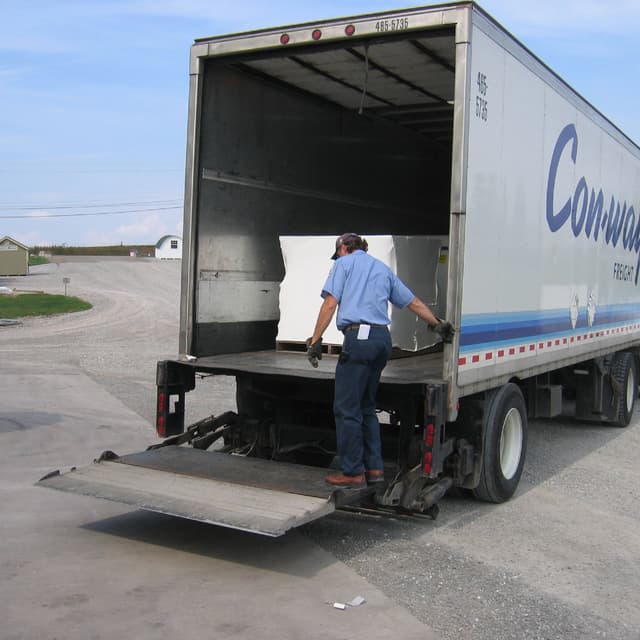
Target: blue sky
[[93, 97]]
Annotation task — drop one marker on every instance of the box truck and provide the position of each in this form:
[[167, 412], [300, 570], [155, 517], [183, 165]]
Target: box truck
[[427, 122]]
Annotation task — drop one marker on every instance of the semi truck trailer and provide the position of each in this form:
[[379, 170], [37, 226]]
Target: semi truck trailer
[[431, 121]]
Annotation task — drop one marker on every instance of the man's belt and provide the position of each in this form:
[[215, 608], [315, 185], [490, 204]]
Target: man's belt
[[356, 325]]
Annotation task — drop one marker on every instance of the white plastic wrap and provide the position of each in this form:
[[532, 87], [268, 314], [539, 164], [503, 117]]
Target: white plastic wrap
[[307, 259]]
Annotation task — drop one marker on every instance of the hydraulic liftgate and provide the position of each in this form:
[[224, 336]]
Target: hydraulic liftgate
[[249, 494]]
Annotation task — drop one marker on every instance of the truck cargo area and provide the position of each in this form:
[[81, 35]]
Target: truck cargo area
[[244, 493], [350, 134]]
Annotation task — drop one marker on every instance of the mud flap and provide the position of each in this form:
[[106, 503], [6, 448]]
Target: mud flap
[[249, 494]]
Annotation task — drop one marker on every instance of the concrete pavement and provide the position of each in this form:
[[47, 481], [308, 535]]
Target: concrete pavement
[[77, 567]]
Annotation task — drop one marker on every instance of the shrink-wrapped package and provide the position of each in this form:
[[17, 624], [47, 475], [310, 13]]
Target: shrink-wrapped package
[[419, 261]]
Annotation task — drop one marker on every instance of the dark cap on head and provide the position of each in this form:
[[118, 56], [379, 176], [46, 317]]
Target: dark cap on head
[[350, 239]]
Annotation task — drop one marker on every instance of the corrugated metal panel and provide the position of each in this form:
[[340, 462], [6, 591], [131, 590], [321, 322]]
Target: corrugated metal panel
[[381, 78]]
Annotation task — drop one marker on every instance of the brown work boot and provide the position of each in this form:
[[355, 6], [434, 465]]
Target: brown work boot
[[349, 482], [374, 475]]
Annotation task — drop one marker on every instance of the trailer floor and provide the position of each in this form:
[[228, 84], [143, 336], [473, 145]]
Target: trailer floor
[[413, 369]]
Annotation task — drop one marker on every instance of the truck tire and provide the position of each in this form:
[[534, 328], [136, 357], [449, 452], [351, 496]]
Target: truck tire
[[505, 443], [623, 370]]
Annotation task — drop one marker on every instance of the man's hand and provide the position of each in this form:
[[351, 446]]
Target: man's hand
[[445, 330], [314, 352]]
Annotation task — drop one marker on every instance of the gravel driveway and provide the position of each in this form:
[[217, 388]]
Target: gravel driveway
[[133, 324]]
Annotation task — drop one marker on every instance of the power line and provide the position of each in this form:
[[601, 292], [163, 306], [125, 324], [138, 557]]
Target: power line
[[92, 213], [107, 171], [87, 206]]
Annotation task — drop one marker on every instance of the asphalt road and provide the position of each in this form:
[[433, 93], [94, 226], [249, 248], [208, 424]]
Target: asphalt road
[[560, 560]]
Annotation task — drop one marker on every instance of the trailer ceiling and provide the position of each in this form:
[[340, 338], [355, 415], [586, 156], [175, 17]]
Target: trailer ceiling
[[408, 81]]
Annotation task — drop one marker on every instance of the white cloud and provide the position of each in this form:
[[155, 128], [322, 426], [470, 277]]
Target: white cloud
[[225, 14], [144, 231], [31, 238], [36, 41], [8, 72], [34, 34], [222, 10], [149, 226], [566, 18], [37, 213], [591, 16], [14, 140]]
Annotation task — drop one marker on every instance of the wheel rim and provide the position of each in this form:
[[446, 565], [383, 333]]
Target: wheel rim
[[511, 443], [631, 390]]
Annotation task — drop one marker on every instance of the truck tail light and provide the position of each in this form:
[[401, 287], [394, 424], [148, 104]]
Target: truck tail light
[[428, 459], [161, 425], [284, 38], [317, 34], [349, 30], [429, 435]]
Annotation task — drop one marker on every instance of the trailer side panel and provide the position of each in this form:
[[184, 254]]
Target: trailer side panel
[[552, 227]]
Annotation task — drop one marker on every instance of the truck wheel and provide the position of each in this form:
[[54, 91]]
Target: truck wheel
[[505, 443], [623, 370]]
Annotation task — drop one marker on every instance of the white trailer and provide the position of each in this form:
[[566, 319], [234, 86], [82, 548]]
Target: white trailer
[[431, 121]]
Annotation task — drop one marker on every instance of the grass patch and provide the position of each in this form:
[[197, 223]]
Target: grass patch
[[39, 304], [36, 260]]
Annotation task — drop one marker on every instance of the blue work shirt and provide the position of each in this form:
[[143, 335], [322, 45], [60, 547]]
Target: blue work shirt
[[363, 287]]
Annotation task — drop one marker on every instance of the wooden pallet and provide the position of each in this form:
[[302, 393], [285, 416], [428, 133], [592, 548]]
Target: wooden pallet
[[301, 347]]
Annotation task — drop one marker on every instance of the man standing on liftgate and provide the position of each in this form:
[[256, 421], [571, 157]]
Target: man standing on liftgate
[[361, 287]]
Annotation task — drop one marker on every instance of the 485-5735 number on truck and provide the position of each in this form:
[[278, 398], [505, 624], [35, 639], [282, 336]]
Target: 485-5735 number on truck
[[397, 24]]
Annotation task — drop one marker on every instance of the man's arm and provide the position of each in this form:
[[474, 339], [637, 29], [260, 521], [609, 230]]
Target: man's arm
[[314, 344], [443, 328], [423, 312], [325, 315]]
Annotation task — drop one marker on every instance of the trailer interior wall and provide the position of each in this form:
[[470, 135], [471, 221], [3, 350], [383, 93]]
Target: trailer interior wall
[[286, 149], [552, 231]]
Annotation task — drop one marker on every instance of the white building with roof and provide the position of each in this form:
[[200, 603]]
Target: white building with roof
[[169, 248]]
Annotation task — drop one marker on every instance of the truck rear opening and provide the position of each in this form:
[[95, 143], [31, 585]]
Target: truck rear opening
[[338, 129]]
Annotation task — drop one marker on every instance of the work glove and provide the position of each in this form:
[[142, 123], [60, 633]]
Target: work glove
[[445, 330], [314, 352]]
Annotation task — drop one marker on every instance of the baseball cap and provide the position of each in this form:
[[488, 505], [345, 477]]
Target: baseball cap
[[342, 240]]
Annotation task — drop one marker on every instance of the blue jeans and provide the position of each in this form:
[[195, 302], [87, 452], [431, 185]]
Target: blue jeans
[[357, 376]]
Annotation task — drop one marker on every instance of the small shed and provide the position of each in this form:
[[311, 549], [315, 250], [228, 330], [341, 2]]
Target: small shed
[[169, 248], [14, 257]]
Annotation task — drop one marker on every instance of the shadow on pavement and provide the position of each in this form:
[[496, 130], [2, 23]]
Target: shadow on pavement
[[290, 554]]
